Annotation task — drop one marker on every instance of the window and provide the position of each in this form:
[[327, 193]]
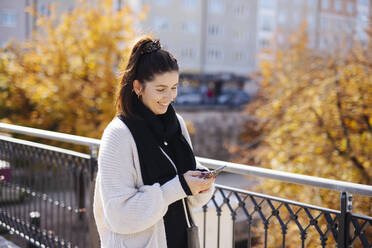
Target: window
[[45, 9], [162, 2], [338, 5], [310, 19], [324, 23], [238, 56], [267, 4], [161, 24], [117, 5], [238, 34], [363, 2], [312, 3], [214, 54], [362, 18], [188, 27], [297, 18], [189, 4], [187, 53], [350, 7], [267, 23], [264, 43], [215, 6], [9, 18], [3, 43], [325, 4], [323, 43], [348, 26], [239, 10], [215, 30], [282, 17]]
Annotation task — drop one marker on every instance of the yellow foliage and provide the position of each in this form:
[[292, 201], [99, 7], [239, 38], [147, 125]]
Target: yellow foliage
[[316, 119], [64, 78]]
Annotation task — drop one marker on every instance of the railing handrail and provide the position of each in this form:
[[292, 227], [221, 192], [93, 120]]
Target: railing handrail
[[354, 188], [289, 177], [69, 138]]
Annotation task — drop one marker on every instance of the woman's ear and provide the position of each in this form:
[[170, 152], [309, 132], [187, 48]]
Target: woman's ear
[[137, 87]]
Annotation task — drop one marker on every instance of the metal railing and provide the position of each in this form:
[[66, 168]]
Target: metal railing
[[46, 193], [57, 185]]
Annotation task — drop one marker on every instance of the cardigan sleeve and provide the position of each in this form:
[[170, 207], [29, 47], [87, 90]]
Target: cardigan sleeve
[[128, 208], [200, 199]]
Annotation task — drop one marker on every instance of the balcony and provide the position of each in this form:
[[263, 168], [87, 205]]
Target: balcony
[[46, 199]]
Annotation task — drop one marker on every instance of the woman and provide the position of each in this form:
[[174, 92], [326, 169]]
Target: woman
[[146, 164]]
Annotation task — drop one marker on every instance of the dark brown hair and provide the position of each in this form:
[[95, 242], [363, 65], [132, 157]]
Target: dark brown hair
[[142, 66]]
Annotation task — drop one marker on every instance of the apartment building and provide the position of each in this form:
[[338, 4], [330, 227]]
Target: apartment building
[[288, 21], [363, 21], [17, 23], [219, 36], [330, 23], [211, 36], [337, 24]]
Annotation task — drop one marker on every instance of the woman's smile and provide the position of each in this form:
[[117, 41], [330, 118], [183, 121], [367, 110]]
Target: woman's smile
[[158, 93]]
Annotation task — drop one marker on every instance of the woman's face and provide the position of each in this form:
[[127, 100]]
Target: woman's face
[[159, 92]]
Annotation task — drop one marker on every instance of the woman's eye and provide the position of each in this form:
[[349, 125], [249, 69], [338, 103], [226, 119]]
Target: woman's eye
[[160, 90], [174, 88]]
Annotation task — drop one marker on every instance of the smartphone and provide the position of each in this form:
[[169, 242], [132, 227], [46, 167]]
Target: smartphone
[[213, 173]]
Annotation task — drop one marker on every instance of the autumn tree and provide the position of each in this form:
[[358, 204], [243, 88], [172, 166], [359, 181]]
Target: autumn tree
[[313, 116], [64, 78]]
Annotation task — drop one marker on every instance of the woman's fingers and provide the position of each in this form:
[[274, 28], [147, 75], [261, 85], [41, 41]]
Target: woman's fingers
[[193, 173], [196, 183], [208, 182]]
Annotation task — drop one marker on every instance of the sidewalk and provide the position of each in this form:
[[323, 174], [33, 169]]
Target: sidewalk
[[6, 244]]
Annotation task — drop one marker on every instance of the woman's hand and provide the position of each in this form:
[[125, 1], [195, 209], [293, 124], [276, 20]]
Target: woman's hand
[[197, 184]]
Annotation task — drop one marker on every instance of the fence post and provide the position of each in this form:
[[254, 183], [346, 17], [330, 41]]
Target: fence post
[[81, 194], [343, 238], [2, 229], [35, 223], [94, 237]]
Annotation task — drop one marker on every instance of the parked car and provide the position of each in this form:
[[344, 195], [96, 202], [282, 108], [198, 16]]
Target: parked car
[[240, 98], [190, 98], [235, 98]]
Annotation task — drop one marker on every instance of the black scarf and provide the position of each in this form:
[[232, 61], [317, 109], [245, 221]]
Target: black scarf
[[152, 132]]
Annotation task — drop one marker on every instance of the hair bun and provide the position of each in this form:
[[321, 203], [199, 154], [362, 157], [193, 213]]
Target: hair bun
[[151, 46]]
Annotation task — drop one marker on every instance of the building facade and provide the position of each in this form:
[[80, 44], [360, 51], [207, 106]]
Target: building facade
[[330, 23], [211, 36], [15, 23], [18, 23], [337, 24], [219, 36]]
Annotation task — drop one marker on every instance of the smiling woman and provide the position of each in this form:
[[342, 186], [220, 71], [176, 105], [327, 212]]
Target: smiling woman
[[159, 92], [147, 173]]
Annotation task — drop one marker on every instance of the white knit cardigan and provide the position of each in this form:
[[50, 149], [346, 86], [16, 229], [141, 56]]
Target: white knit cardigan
[[129, 214]]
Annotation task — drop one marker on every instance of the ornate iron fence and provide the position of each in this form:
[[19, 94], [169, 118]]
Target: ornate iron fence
[[46, 198], [46, 191], [259, 213]]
